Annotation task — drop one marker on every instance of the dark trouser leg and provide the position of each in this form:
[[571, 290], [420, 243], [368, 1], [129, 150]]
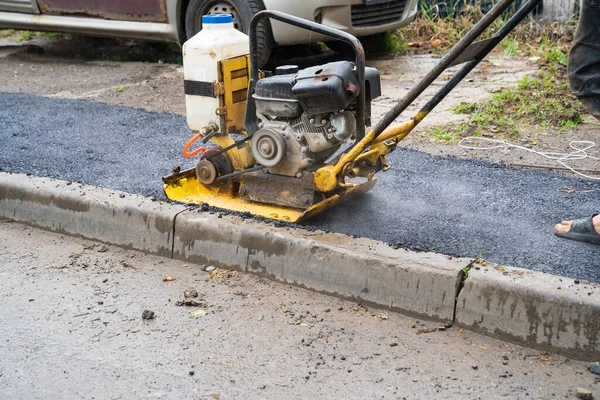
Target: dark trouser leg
[[584, 58]]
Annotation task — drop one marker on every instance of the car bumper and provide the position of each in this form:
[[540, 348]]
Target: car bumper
[[349, 16]]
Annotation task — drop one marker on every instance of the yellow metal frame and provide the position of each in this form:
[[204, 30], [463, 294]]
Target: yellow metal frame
[[233, 78], [377, 147]]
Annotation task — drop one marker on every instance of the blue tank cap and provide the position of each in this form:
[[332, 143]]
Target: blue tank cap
[[217, 19]]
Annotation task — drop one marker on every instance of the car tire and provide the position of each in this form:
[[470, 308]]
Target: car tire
[[242, 12], [343, 49], [370, 45]]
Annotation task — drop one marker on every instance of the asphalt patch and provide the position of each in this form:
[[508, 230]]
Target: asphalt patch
[[81, 141], [457, 207]]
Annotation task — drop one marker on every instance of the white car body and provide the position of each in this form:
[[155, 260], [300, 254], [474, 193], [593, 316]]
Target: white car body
[[339, 14], [358, 17]]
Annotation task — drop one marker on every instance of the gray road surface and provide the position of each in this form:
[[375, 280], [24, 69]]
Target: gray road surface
[[72, 329], [456, 207]]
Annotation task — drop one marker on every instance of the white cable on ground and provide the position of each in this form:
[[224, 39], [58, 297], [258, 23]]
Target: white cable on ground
[[580, 148]]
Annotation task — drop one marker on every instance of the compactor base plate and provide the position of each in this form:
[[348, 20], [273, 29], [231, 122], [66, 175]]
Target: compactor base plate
[[186, 188]]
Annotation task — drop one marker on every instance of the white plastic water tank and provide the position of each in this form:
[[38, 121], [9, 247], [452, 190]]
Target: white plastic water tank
[[218, 40]]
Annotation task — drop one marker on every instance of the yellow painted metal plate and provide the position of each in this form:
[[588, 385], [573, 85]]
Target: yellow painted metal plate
[[349, 193], [186, 188], [234, 75]]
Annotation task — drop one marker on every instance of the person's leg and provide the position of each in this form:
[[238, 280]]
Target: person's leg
[[584, 79], [565, 226], [583, 230], [584, 58]]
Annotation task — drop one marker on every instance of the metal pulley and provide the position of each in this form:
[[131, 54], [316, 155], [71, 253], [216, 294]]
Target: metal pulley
[[268, 147]]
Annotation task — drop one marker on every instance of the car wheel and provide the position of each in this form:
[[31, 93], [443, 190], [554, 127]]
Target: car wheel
[[372, 44], [242, 12], [342, 48]]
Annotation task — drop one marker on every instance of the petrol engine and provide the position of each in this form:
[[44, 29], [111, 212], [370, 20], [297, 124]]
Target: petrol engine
[[305, 116]]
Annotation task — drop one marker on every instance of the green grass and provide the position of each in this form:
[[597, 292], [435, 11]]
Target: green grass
[[120, 88], [543, 101], [568, 125], [431, 32], [510, 46], [465, 108], [6, 33], [25, 36], [176, 61], [442, 135], [387, 42], [119, 58], [554, 55], [174, 47]]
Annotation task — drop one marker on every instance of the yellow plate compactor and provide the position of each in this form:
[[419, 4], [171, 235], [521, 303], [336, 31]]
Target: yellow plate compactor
[[290, 145]]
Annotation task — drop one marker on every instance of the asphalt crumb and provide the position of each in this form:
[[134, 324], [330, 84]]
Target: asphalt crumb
[[458, 207]]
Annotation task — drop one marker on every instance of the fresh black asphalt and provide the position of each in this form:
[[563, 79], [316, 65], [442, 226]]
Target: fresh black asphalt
[[452, 206]]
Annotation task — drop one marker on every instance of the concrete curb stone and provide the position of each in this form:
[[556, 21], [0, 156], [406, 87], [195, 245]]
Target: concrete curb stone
[[130, 221], [539, 310], [422, 284]]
